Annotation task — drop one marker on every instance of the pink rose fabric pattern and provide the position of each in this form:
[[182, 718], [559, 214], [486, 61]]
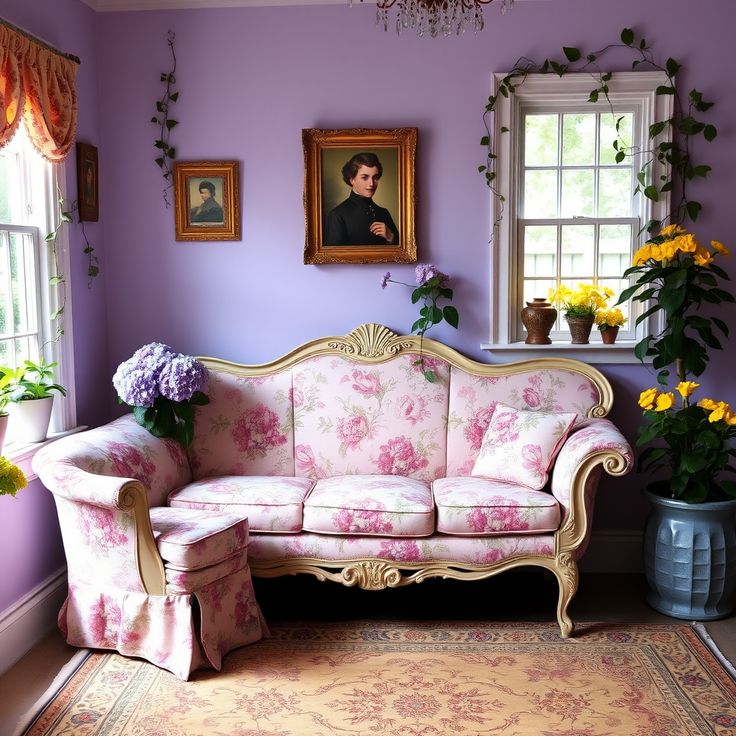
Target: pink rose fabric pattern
[[362, 419], [520, 446]]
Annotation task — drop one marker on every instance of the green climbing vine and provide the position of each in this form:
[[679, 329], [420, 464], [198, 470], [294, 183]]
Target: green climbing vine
[[669, 140], [166, 153]]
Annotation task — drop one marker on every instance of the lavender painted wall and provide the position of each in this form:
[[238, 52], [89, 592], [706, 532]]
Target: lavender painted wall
[[252, 78], [29, 534]]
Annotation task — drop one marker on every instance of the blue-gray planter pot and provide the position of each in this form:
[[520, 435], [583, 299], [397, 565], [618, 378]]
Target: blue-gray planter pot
[[690, 558]]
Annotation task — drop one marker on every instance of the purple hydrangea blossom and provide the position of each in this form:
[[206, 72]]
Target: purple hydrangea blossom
[[426, 271], [154, 356], [136, 386], [181, 377]]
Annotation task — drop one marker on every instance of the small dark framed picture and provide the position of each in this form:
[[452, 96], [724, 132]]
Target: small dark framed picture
[[87, 183], [206, 200], [359, 195]]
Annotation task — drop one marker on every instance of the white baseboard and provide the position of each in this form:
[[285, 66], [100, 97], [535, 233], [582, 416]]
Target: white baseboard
[[613, 552], [26, 622]]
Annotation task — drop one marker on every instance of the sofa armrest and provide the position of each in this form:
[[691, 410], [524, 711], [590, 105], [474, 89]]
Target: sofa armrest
[[594, 446]]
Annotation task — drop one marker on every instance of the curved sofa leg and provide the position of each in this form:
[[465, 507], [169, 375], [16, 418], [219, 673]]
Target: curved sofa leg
[[567, 574]]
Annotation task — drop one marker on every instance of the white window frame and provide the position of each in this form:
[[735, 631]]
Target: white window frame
[[626, 90], [43, 184]]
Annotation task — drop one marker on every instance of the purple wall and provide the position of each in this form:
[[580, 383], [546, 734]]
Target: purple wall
[[29, 533], [250, 80]]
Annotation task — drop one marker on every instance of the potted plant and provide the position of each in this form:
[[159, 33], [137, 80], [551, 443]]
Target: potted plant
[[609, 322], [12, 478], [5, 386], [690, 537], [29, 389], [579, 306]]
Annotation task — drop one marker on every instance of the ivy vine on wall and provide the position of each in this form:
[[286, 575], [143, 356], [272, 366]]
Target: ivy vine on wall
[[166, 153], [674, 152]]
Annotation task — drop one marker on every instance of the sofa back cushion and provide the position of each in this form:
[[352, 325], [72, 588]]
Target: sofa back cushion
[[472, 400], [246, 429], [356, 418]]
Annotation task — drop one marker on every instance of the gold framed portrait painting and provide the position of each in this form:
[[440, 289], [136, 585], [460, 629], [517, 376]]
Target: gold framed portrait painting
[[359, 195], [87, 183], [206, 200]]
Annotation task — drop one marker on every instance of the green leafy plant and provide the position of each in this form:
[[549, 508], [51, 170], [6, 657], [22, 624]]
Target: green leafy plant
[[12, 478], [58, 279], [697, 440], [675, 154], [166, 153], [431, 286], [29, 381]]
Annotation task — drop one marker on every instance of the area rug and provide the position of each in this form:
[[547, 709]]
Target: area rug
[[410, 679]]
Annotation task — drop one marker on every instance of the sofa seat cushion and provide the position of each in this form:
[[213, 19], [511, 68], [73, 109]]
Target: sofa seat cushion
[[189, 539], [481, 507], [190, 581], [374, 505], [271, 503]]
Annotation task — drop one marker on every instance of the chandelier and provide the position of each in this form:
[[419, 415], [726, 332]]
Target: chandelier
[[435, 17]]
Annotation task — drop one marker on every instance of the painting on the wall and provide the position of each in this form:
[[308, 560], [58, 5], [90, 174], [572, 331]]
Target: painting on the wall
[[87, 183], [206, 201], [359, 195]]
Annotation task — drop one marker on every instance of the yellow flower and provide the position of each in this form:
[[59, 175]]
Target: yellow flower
[[719, 411], [686, 388], [665, 401], [642, 255], [672, 230], [720, 248], [707, 404], [646, 398], [12, 478], [687, 243], [703, 257], [610, 317]]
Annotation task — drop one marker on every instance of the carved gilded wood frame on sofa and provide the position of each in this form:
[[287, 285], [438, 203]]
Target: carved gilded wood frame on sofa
[[207, 200], [325, 154]]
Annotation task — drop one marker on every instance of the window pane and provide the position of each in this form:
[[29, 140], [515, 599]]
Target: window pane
[[540, 194], [540, 140], [617, 285], [614, 250], [578, 139], [6, 301], [534, 288], [21, 270], [615, 193], [540, 251], [577, 193], [608, 136], [578, 250]]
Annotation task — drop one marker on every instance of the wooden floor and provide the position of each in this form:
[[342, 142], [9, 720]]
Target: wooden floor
[[517, 595]]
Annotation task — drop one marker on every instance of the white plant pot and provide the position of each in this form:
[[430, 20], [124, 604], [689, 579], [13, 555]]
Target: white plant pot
[[30, 419]]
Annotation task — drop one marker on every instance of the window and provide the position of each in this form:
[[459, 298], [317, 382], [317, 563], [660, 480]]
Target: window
[[570, 215], [28, 209]]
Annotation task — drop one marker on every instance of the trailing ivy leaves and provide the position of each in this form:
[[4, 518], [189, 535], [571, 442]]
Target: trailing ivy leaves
[[166, 153], [669, 139]]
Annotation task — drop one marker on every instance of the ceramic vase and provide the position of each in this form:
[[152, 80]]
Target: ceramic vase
[[580, 328], [538, 316], [609, 335], [690, 557], [30, 419]]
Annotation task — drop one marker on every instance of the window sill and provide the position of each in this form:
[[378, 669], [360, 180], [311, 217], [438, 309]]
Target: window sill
[[594, 352], [22, 453]]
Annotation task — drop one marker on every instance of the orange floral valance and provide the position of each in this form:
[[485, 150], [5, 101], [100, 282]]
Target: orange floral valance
[[39, 85]]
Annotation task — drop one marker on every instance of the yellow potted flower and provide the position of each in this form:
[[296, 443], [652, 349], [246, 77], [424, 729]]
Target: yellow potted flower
[[690, 536], [12, 478], [609, 322], [579, 306]]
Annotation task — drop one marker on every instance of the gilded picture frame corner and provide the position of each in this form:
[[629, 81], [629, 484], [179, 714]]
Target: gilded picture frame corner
[[207, 200], [325, 150]]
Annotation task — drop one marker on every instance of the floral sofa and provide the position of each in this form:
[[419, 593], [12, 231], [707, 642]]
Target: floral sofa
[[348, 464]]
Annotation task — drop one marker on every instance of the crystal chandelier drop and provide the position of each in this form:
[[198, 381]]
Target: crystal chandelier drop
[[435, 17]]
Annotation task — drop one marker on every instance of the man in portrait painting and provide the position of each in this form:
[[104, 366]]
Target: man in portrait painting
[[358, 220], [210, 211]]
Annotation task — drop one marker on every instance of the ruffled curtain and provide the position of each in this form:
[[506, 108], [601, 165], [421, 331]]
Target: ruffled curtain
[[37, 84]]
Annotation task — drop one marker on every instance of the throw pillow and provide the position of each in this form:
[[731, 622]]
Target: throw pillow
[[520, 446]]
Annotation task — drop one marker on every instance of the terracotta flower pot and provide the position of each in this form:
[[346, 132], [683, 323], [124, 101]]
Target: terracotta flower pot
[[609, 335], [538, 316], [580, 328]]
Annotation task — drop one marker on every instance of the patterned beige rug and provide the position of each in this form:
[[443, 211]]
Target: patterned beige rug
[[427, 679]]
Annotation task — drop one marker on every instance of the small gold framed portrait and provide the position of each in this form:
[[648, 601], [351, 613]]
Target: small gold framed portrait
[[87, 183], [359, 195], [206, 200]]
